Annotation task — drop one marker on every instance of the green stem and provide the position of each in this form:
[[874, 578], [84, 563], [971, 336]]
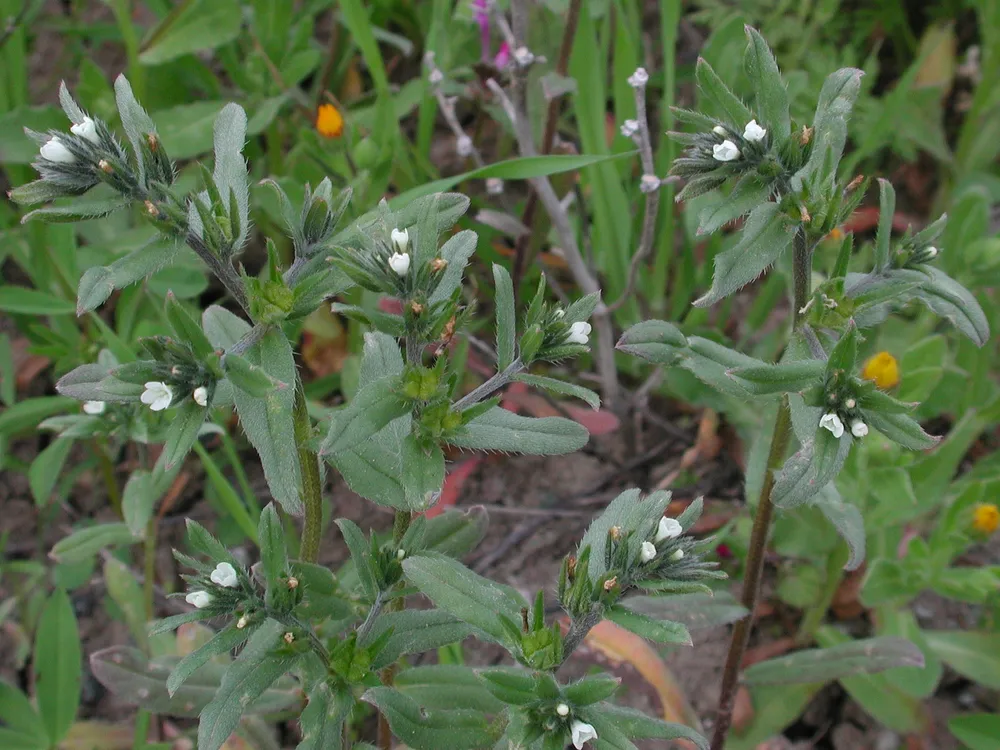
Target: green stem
[[312, 489], [108, 473], [780, 438], [835, 562], [149, 565]]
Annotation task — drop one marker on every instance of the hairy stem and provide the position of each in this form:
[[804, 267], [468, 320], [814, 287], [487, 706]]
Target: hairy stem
[[578, 630], [762, 521], [108, 474], [491, 386], [312, 489]]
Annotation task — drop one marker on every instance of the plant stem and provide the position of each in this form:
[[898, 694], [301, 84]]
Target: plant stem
[[762, 521], [312, 488], [108, 473], [149, 565], [492, 385]]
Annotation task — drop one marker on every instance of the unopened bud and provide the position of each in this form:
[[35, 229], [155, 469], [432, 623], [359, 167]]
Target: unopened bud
[[850, 403], [677, 555], [400, 553], [853, 184], [152, 210], [571, 567], [153, 142], [416, 308], [806, 135], [242, 622], [293, 583], [289, 638], [615, 532], [611, 583], [804, 215], [438, 265], [562, 709], [105, 166]]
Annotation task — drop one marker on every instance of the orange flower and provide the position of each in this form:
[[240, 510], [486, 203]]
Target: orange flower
[[986, 518], [329, 121], [882, 370]]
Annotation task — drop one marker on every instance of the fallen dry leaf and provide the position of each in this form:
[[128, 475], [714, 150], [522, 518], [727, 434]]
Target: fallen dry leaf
[[743, 712]]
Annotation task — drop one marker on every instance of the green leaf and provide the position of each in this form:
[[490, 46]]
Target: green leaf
[[637, 725], [128, 595], [902, 429], [795, 376], [454, 532], [46, 469], [836, 100], [220, 643], [259, 665], [502, 430], [635, 515], [456, 251], [98, 282], [361, 555], [511, 685], [952, 301], [592, 689], [561, 387], [725, 101], [135, 121], [182, 433], [824, 664], [471, 598], [19, 717], [766, 235], [84, 543], [21, 300], [847, 520], [920, 682], [748, 193], [322, 720], [371, 409], [273, 555], [415, 631], [810, 469], [844, 355], [192, 27], [447, 686], [230, 171], [658, 631], [57, 666], [654, 340], [424, 729], [973, 654], [506, 328], [978, 731], [886, 211], [769, 89], [186, 327], [77, 211]]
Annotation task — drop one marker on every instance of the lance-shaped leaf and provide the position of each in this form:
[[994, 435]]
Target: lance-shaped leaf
[[136, 122], [456, 253], [510, 685], [78, 211], [847, 520], [230, 172], [424, 729], [811, 468], [471, 598], [952, 301], [371, 409], [658, 631], [750, 192], [83, 544], [447, 686], [502, 430], [868, 656], [902, 429], [182, 433], [654, 340], [836, 100], [883, 237], [98, 282], [784, 377], [637, 725], [561, 387], [720, 95], [361, 555], [506, 329], [322, 720], [221, 643], [415, 631], [767, 234], [770, 94], [844, 355]]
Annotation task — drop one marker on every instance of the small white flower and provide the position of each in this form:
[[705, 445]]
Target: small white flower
[[630, 128], [200, 395], [668, 529], [55, 150], [931, 252], [242, 622], [725, 151], [400, 553], [225, 575], [199, 599], [858, 428], [559, 312], [523, 56], [638, 79], [582, 733], [850, 403], [831, 422], [649, 183], [94, 407], [400, 263], [400, 239], [494, 186], [157, 395], [648, 551], [562, 709], [719, 130], [754, 132], [463, 145], [436, 77], [87, 129], [677, 555], [579, 333]]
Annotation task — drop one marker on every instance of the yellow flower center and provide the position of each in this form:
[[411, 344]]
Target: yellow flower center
[[329, 121], [882, 370], [986, 518]]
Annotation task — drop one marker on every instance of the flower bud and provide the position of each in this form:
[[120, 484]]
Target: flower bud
[[55, 150], [87, 130], [242, 622], [200, 395], [562, 709], [289, 638], [719, 130], [199, 599], [94, 407], [669, 528], [400, 239], [858, 428], [648, 551], [630, 128], [677, 555], [400, 263]]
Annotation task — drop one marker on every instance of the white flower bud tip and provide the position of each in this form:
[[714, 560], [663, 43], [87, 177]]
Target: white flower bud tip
[[638, 79], [463, 145], [436, 77], [157, 395], [677, 555], [850, 403], [200, 395], [400, 553], [725, 151], [648, 551], [754, 132], [719, 130], [494, 186], [668, 529], [831, 422], [858, 428], [562, 709], [199, 599], [579, 333], [55, 150], [630, 128], [523, 56], [242, 622], [400, 239], [94, 407], [400, 263], [931, 252], [559, 312], [582, 732], [225, 575], [87, 129]]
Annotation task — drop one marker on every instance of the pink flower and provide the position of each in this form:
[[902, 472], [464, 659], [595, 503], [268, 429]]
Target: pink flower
[[502, 58]]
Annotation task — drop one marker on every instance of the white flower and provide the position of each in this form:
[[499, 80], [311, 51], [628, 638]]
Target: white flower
[[725, 151], [850, 403], [400, 553], [94, 407], [199, 599], [225, 575], [200, 395], [668, 529], [582, 732], [242, 622], [55, 150], [562, 709], [494, 186], [463, 145], [157, 395], [436, 77], [832, 422], [87, 129], [858, 428], [638, 79], [931, 252], [648, 551], [719, 130], [677, 555], [559, 312], [630, 128], [400, 239], [400, 263], [754, 132], [523, 56], [579, 333]]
